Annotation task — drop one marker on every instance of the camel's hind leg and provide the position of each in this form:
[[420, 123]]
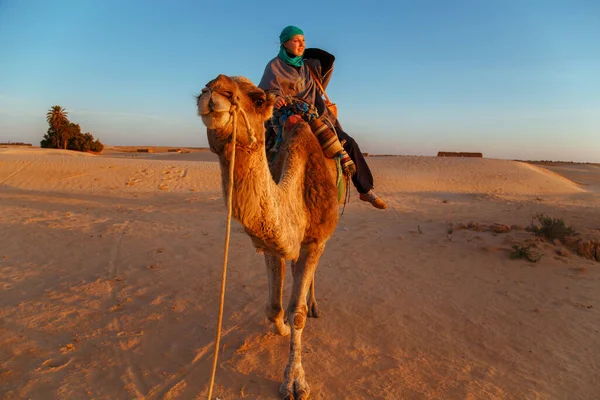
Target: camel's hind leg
[[294, 385], [313, 310], [274, 309]]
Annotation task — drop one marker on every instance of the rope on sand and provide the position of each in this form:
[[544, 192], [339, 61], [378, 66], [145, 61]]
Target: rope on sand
[[235, 109]]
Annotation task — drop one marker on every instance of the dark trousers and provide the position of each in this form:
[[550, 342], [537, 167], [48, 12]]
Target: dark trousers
[[362, 179]]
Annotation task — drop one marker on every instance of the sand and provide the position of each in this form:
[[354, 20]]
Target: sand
[[110, 273]]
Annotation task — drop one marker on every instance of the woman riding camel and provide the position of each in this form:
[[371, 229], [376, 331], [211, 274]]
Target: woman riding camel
[[303, 74]]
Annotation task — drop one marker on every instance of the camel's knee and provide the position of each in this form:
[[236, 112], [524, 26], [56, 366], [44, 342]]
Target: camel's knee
[[274, 312], [299, 316]]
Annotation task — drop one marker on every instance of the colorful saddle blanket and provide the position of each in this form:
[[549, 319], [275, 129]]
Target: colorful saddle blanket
[[308, 113]]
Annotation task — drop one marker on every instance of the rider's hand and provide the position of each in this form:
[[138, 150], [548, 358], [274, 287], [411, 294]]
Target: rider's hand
[[279, 102]]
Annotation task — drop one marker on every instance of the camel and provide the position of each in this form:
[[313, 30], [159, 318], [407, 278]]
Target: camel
[[289, 210]]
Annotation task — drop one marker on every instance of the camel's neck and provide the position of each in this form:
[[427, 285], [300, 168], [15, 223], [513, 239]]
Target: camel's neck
[[267, 210]]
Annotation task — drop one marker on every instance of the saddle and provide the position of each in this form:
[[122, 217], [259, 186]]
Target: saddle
[[296, 109]]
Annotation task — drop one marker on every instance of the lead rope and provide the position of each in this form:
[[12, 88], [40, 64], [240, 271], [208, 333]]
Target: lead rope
[[233, 111]]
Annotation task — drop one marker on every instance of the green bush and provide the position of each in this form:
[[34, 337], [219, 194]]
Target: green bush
[[84, 142], [50, 140], [551, 228]]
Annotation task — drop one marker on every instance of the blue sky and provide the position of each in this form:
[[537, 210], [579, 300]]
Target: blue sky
[[510, 78]]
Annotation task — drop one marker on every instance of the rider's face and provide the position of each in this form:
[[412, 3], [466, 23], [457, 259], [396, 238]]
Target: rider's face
[[295, 45]]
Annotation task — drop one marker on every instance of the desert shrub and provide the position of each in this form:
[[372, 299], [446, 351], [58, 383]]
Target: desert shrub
[[551, 228], [84, 142], [9, 143], [526, 251], [50, 140], [96, 146]]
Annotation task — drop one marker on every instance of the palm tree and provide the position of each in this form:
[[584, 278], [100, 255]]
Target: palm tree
[[57, 118]]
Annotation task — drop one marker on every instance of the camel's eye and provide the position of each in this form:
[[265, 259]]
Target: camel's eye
[[258, 97]]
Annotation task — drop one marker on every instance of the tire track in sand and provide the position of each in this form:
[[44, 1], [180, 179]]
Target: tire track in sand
[[14, 173]]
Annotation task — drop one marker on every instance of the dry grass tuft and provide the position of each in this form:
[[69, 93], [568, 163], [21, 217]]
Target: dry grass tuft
[[526, 251]]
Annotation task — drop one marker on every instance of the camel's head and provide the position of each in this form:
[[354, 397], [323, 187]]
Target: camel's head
[[224, 96]]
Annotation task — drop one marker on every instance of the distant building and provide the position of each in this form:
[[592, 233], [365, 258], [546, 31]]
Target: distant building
[[458, 154]]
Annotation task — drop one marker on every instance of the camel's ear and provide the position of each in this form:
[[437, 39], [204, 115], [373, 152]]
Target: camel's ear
[[269, 103]]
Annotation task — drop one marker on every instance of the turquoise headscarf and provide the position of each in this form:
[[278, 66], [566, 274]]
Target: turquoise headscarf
[[286, 34]]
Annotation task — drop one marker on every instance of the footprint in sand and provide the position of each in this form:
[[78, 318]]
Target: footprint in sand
[[178, 305], [132, 182], [138, 177], [55, 364], [172, 176], [174, 172]]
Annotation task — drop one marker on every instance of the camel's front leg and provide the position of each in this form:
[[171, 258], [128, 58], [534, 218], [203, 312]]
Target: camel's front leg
[[294, 385], [274, 309]]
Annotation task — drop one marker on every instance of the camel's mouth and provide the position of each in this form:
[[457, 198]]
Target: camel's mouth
[[213, 108]]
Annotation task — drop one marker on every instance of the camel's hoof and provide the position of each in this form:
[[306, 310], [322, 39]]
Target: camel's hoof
[[297, 389], [313, 310]]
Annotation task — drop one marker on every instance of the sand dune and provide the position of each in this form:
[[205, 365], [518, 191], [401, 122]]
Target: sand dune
[[137, 172], [59, 170], [468, 175], [586, 175], [110, 270]]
